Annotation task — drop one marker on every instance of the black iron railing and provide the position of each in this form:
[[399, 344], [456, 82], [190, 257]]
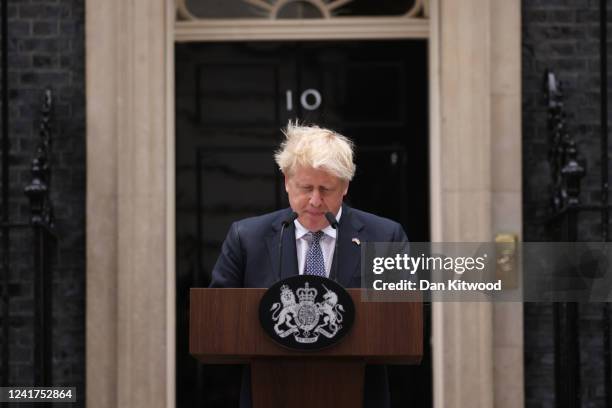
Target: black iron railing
[[42, 224], [567, 172], [38, 228], [566, 175]]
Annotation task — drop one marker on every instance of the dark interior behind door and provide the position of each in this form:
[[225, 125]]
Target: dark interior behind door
[[232, 99]]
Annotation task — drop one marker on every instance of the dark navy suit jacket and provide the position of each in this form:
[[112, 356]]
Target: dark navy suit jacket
[[249, 259]]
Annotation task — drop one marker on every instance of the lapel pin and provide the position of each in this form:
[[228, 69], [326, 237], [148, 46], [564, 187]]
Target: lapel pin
[[356, 241]]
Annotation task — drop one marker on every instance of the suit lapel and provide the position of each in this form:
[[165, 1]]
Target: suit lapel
[[289, 266], [349, 253]]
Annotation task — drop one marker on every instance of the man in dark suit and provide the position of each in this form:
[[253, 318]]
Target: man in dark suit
[[318, 166]]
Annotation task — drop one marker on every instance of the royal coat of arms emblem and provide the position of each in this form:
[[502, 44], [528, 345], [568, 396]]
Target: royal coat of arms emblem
[[307, 312]]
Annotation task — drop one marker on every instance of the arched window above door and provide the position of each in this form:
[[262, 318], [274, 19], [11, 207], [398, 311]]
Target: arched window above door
[[254, 20], [298, 9]]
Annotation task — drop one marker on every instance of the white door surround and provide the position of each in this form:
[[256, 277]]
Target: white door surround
[[475, 121]]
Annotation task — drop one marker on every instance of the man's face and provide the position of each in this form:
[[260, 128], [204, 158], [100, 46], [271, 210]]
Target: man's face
[[312, 193]]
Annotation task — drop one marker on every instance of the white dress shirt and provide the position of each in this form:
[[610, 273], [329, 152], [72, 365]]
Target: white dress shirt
[[328, 242]]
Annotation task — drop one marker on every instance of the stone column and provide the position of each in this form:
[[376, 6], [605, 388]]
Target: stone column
[[476, 191], [129, 352]]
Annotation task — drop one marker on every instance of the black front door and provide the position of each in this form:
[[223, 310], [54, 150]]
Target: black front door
[[232, 99]]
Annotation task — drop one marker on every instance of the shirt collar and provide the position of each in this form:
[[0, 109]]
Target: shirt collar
[[300, 231]]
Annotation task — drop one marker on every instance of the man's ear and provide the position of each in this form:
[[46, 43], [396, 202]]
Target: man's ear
[[286, 183], [346, 187]]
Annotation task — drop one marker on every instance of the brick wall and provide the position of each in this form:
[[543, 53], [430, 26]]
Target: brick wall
[[562, 35], [46, 49]]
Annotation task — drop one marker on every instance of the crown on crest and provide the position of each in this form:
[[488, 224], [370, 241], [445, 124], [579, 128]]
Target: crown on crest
[[307, 294], [285, 289]]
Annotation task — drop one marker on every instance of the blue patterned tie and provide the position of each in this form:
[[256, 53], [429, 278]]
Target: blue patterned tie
[[314, 256]]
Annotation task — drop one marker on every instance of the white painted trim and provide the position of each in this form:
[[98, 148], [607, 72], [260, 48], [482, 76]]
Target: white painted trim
[[435, 193], [340, 28], [435, 118], [170, 209]]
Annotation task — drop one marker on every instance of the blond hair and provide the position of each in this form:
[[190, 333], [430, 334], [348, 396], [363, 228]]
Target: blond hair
[[319, 148]]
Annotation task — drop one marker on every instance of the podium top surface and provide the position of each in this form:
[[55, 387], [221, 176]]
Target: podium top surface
[[224, 329]]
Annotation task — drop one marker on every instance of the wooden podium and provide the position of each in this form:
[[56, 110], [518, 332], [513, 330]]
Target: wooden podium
[[224, 329]]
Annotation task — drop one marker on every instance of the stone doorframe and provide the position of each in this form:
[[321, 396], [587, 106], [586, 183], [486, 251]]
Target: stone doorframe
[[475, 156]]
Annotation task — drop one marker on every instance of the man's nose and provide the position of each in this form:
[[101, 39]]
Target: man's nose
[[315, 198]]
